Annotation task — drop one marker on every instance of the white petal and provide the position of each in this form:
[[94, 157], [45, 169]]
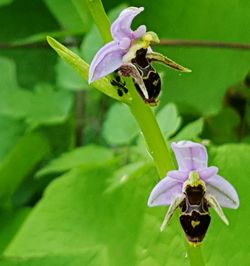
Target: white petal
[[190, 155], [208, 172], [106, 60], [164, 192], [223, 191], [121, 27]]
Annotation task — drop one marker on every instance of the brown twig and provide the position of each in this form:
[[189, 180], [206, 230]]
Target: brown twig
[[203, 43], [163, 42]]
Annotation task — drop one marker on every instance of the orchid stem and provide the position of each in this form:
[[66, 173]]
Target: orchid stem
[[101, 19], [195, 255], [144, 116]]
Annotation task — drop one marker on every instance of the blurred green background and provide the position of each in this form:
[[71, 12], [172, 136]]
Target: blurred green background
[[74, 171]]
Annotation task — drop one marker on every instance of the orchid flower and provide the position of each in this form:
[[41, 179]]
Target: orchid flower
[[121, 54], [193, 187]]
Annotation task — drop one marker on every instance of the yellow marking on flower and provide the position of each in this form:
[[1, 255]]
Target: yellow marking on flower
[[138, 44], [149, 37], [195, 223]]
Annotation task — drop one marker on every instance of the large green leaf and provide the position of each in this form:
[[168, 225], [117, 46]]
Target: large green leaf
[[191, 131], [75, 17], [168, 119], [11, 131], [8, 79], [89, 257], [120, 126], [49, 106], [20, 20], [222, 128], [76, 213], [230, 245], [45, 106], [5, 2], [20, 162], [10, 222], [89, 155]]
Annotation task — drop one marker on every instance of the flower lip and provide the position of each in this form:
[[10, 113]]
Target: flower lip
[[191, 157]]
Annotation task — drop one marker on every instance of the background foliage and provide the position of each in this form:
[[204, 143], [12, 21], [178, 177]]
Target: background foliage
[[74, 171]]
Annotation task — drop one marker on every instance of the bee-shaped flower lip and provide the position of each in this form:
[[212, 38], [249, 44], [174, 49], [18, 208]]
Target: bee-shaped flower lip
[[193, 171]]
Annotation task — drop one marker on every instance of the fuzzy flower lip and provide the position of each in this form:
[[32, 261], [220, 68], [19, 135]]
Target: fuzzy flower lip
[[191, 157], [110, 56]]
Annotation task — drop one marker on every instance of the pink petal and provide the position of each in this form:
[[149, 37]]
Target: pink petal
[[208, 172], [164, 192], [179, 176], [190, 155], [223, 191], [106, 60], [121, 27]]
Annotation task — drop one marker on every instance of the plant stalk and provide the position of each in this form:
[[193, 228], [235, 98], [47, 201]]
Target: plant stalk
[[156, 143], [145, 118], [101, 19]]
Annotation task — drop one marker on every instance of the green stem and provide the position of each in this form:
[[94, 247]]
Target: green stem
[[101, 19], [143, 114], [157, 146], [195, 255]]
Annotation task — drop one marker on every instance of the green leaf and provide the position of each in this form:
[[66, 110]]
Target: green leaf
[[248, 114], [191, 131], [49, 106], [10, 222], [89, 257], [125, 173], [75, 213], [17, 26], [222, 128], [15, 104], [8, 79], [43, 107], [67, 14], [9, 135], [20, 162], [168, 119], [120, 127], [85, 156], [5, 2], [220, 245]]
